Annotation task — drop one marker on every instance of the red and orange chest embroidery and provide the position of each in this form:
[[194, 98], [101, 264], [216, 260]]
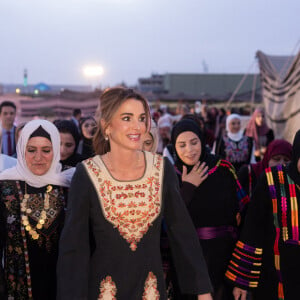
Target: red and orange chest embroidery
[[130, 206]]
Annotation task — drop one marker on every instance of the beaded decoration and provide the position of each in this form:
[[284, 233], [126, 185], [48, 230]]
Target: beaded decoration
[[32, 230], [26, 256]]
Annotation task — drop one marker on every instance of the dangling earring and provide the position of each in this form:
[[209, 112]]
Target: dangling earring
[[106, 137]]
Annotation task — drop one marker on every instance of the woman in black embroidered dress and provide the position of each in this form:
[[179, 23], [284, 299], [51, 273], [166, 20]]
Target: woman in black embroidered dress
[[266, 259], [235, 146], [32, 202], [209, 187], [110, 245]]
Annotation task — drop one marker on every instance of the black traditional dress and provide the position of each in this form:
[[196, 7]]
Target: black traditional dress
[[213, 207], [267, 256], [122, 220], [29, 264], [238, 153]]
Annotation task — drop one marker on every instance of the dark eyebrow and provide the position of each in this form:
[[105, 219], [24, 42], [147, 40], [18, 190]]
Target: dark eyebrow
[[192, 140], [29, 146], [131, 114]]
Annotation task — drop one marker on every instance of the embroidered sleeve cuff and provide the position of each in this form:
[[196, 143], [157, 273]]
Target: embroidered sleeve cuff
[[245, 265]]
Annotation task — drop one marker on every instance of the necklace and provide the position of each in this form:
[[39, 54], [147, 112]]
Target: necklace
[[25, 210], [108, 160]]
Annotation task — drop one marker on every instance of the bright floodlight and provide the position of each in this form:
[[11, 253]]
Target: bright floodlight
[[93, 71]]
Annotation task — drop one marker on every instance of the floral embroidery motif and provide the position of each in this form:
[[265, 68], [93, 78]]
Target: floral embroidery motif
[[150, 289], [130, 206], [108, 289], [16, 259], [236, 151]]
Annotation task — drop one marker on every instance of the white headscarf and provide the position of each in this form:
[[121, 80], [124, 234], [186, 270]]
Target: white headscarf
[[233, 136], [21, 172]]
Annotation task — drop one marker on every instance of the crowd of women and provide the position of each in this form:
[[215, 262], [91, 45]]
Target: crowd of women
[[96, 213]]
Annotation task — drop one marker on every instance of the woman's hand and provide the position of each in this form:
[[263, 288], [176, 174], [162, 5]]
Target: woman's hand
[[197, 175], [239, 294], [205, 297]]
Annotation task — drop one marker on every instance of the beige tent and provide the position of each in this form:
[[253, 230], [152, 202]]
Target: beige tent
[[280, 81]]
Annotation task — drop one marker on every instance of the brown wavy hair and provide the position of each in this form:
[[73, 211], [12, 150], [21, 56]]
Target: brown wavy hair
[[110, 101]]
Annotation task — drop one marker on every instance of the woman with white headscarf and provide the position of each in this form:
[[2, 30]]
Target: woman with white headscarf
[[32, 204], [235, 146]]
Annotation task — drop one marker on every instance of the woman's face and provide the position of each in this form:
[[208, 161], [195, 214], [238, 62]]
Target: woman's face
[[188, 147], [298, 165], [39, 155], [148, 142], [88, 128], [127, 127], [259, 119], [278, 160], [67, 145], [234, 125]]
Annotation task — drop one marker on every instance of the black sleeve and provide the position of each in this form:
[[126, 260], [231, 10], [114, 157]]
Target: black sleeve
[[186, 251], [187, 192], [245, 266], [74, 248], [258, 214], [243, 176]]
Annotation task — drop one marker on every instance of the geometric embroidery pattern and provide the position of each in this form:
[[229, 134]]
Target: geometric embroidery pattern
[[130, 206]]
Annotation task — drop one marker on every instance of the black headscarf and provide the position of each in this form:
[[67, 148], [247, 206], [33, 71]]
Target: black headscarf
[[66, 126], [190, 125], [40, 132], [292, 168]]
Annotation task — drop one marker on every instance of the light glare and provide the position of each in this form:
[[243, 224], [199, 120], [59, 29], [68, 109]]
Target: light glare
[[93, 71]]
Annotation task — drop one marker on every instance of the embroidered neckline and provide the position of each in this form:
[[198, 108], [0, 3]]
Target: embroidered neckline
[[102, 164], [131, 207]]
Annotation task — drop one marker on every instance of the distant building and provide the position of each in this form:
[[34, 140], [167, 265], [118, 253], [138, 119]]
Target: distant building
[[154, 84], [212, 88]]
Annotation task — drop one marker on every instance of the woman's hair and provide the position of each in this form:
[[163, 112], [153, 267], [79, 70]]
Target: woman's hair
[[110, 101], [83, 120], [67, 126]]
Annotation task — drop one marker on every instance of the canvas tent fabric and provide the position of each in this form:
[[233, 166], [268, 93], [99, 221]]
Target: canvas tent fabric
[[280, 81]]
